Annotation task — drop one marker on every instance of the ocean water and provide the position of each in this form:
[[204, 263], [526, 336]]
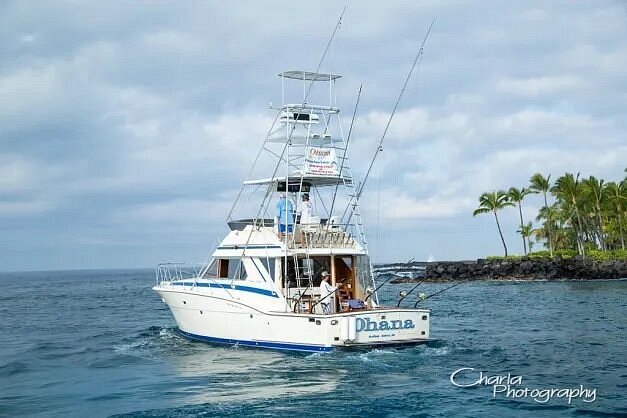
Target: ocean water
[[101, 343]]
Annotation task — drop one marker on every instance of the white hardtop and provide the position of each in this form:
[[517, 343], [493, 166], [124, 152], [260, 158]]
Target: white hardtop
[[308, 75], [294, 179]]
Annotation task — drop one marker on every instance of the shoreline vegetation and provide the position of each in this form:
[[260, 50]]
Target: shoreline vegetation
[[581, 225], [583, 217]]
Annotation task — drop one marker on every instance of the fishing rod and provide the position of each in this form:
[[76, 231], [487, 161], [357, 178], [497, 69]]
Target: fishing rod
[[289, 137], [320, 301], [301, 295], [330, 294], [324, 54], [387, 126], [348, 138], [388, 279], [402, 298], [437, 293]]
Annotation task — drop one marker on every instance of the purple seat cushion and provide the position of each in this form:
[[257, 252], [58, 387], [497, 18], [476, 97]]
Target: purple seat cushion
[[356, 304]]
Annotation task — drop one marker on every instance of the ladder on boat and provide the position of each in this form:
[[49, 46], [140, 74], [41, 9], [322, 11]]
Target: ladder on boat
[[351, 192]]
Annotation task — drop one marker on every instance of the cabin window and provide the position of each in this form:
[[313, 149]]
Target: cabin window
[[237, 271], [268, 264], [343, 268], [362, 264], [212, 271], [344, 273], [225, 268], [299, 275]]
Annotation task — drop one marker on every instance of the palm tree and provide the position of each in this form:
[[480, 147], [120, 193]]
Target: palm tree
[[541, 184], [597, 192], [617, 195], [516, 196], [526, 231], [492, 202], [568, 189]]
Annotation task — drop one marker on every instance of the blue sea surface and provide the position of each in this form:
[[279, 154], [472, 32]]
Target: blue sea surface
[[101, 343]]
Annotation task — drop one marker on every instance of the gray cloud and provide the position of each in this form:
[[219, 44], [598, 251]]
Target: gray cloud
[[126, 128]]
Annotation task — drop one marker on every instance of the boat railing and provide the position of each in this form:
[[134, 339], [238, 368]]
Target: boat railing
[[322, 236], [170, 272]]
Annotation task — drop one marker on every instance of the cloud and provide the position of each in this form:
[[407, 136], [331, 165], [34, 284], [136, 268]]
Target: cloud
[[395, 204], [538, 86], [21, 208], [123, 126], [180, 211]]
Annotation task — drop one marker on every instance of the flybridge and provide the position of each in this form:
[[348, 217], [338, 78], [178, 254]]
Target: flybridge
[[305, 151]]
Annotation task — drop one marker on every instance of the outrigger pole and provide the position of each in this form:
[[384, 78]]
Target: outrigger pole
[[337, 26], [441, 291], [402, 298], [288, 139], [385, 131], [324, 54], [348, 138]]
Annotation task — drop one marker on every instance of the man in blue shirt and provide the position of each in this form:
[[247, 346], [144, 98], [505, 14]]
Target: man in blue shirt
[[285, 215]]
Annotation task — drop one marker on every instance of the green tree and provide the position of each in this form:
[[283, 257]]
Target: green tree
[[517, 196], [541, 184], [526, 231], [597, 194], [492, 202], [617, 196], [568, 190]]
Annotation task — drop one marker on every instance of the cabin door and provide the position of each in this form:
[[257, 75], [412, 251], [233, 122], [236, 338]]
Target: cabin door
[[343, 266]]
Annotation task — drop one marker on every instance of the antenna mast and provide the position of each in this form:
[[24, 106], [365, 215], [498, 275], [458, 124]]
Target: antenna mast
[[385, 131]]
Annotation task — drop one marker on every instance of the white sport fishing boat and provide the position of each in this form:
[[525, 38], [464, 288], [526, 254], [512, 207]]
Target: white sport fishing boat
[[262, 287]]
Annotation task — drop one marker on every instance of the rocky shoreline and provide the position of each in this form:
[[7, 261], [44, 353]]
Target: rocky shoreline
[[524, 268]]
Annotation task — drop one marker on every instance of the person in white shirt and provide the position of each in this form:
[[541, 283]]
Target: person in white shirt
[[327, 294], [305, 210]]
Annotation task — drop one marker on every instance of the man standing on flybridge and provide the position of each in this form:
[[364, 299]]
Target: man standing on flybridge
[[305, 210], [284, 215]]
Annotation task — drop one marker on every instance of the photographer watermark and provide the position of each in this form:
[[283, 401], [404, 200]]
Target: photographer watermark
[[511, 386]]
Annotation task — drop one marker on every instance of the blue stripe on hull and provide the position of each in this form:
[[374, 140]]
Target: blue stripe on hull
[[229, 287], [259, 344]]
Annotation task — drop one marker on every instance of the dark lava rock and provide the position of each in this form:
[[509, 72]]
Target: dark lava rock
[[526, 268]]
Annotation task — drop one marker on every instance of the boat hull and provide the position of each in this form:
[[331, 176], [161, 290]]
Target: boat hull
[[222, 319]]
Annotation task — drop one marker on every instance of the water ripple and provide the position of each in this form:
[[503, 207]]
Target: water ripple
[[102, 343]]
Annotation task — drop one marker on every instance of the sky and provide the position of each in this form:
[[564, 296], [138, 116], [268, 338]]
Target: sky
[[126, 128]]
